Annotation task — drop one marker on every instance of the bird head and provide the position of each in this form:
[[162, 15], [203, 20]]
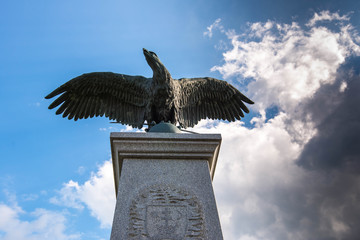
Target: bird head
[[159, 70]]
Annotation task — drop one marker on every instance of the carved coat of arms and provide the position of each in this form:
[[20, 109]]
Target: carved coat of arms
[[165, 212]]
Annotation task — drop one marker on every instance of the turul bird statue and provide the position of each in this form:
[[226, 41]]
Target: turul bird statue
[[132, 100]]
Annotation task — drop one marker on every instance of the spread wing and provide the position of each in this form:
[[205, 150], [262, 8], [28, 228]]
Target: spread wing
[[119, 97], [200, 98]]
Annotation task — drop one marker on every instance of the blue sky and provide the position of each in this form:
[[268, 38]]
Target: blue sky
[[303, 77]]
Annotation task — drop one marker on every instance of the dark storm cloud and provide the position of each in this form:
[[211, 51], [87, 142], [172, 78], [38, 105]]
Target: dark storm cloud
[[337, 116], [333, 157]]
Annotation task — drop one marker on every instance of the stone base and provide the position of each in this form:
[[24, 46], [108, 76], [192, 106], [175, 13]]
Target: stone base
[[164, 188]]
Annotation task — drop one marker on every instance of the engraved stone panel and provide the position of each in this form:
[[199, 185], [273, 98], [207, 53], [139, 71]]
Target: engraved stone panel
[[164, 212]]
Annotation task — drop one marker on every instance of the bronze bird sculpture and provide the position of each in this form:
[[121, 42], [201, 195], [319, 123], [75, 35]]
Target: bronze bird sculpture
[[133, 99]]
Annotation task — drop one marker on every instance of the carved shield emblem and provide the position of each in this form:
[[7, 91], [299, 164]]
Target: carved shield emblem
[[166, 221], [165, 212]]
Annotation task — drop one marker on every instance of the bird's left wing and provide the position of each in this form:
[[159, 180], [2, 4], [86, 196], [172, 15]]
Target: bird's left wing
[[201, 98], [117, 96]]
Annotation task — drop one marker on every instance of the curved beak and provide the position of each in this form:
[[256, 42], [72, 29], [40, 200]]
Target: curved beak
[[146, 52], [151, 60]]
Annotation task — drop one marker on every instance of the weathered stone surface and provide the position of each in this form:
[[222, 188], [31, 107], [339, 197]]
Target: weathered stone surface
[[164, 189]]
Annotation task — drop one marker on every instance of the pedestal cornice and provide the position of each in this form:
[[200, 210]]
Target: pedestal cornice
[[129, 145]]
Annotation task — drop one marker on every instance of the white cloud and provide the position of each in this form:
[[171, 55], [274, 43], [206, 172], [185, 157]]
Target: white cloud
[[212, 27], [97, 194], [29, 197], [81, 170], [35, 104], [108, 129], [326, 16], [343, 86], [45, 224], [288, 64], [69, 196], [258, 29], [253, 166]]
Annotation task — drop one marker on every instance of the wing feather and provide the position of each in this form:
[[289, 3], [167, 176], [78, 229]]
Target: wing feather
[[103, 93], [59, 100], [62, 108], [80, 113], [200, 98]]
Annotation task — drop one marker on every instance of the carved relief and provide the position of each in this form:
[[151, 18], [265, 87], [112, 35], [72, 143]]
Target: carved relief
[[164, 212]]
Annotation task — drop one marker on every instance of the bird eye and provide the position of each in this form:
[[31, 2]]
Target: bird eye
[[153, 53]]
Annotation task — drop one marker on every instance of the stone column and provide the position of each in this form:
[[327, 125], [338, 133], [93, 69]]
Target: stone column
[[163, 186]]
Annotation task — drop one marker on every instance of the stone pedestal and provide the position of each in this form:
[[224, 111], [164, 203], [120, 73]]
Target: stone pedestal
[[163, 186]]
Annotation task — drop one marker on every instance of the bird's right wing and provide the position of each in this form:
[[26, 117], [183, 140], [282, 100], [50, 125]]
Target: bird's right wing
[[201, 98], [117, 96]]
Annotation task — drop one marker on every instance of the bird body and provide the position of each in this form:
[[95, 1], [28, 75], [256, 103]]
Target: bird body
[[132, 100]]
